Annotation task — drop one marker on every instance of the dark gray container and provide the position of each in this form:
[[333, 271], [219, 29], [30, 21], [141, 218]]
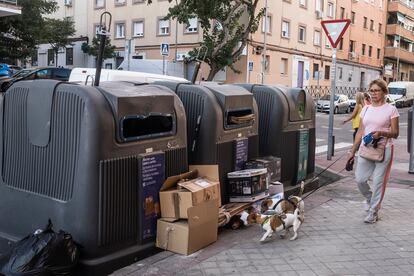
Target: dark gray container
[[90, 159], [212, 137], [284, 113]]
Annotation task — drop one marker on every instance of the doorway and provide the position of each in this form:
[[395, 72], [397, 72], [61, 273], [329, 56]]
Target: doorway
[[362, 81], [301, 66]]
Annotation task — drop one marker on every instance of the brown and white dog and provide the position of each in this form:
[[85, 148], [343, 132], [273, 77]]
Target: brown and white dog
[[285, 206], [277, 223]]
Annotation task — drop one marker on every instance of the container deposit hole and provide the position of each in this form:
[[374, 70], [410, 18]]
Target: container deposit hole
[[239, 117], [141, 126]]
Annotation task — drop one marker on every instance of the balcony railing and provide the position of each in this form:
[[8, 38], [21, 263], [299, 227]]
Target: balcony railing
[[407, 3], [9, 2]]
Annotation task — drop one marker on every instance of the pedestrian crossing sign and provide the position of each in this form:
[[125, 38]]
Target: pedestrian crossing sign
[[165, 49]]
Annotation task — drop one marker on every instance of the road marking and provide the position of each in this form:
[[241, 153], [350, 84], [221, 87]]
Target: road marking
[[340, 145], [336, 128]]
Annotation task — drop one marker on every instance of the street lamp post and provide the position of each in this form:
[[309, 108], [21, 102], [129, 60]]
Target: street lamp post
[[264, 44]]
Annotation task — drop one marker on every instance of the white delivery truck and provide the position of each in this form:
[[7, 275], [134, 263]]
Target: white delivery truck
[[87, 76], [402, 92]]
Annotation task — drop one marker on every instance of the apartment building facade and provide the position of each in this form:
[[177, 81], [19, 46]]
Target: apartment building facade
[[361, 50], [9, 8], [399, 51]]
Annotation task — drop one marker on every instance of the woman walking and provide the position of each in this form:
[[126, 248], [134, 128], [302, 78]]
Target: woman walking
[[355, 116], [379, 126]]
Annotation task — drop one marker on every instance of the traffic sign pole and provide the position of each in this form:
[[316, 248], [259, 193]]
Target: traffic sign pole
[[331, 106], [163, 65], [334, 29]]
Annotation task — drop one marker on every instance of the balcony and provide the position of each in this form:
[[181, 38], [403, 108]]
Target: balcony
[[392, 53], [395, 29], [402, 6], [9, 7]]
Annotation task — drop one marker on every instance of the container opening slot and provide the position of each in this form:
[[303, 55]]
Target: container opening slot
[[139, 127], [240, 117]]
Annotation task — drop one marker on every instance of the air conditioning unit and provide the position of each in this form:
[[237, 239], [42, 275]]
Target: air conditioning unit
[[258, 50], [319, 14], [355, 1], [68, 3], [352, 55]]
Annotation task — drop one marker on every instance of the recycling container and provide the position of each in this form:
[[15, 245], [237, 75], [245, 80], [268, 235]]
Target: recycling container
[[92, 159], [222, 126], [286, 129]]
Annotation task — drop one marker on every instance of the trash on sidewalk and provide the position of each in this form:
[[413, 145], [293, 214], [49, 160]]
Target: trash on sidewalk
[[271, 163], [44, 252], [188, 236], [180, 192], [247, 185]]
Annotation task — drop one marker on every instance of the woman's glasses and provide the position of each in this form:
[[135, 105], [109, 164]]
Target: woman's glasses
[[374, 90]]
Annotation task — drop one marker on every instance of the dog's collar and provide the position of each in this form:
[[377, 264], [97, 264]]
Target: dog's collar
[[266, 220]]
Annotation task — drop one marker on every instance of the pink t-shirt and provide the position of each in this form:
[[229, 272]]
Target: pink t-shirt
[[378, 118]]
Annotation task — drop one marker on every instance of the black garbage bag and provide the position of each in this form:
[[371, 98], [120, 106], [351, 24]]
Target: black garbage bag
[[42, 253]]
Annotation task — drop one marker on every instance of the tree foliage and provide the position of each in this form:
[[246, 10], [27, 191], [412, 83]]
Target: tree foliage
[[19, 34], [226, 26], [58, 33], [92, 50]]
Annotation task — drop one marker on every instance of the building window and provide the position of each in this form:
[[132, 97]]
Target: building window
[[284, 66], [353, 17], [352, 46], [192, 26], [119, 30], [342, 13], [363, 49], [268, 26], [303, 3], [317, 38], [327, 72], [163, 27], [378, 53], [285, 29], [341, 44], [365, 22], [370, 51], [316, 71], [267, 63], [379, 28], [339, 73], [371, 25], [302, 34], [330, 9], [319, 5], [99, 3], [138, 29], [50, 57], [69, 56]]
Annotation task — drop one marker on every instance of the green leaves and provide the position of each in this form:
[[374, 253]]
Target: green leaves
[[92, 50]]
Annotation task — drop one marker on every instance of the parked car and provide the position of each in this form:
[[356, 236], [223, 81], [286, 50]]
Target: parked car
[[14, 69], [352, 103], [54, 73], [402, 92], [341, 104], [5, 70]]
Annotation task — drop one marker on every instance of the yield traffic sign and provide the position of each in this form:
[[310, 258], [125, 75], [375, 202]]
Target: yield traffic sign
[[335, 29], [165, 49]]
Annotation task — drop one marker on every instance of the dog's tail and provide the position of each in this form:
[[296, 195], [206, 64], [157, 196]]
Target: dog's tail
[[302, 188]]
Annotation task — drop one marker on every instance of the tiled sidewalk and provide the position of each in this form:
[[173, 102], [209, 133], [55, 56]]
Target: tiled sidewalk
[[333, 240]]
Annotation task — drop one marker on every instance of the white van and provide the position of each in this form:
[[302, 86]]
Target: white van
[[402, 92], [87, 76]]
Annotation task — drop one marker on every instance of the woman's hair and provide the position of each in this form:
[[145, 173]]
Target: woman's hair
[[381, 83], [367, 96], [359, 98]]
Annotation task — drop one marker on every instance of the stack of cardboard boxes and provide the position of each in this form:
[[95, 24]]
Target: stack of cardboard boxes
[[189, 210]]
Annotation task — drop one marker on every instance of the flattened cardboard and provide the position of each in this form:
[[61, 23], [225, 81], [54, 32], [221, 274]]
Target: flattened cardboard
[[176, 198], [188, 236]]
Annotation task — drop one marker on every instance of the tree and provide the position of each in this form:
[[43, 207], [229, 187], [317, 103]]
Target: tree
[[58, 34], [226, 26], [19, 34], [92, 50]]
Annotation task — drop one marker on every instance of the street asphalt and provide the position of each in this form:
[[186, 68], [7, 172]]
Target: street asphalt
[[333, 240]]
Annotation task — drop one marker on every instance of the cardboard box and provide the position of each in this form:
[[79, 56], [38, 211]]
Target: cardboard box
[[271, 163], [188, 236], [247, 185], [177, 197]]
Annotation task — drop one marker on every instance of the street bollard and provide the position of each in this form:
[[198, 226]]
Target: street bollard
[[410, 138]]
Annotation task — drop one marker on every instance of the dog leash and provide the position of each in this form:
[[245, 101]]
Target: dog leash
[[324, 170]]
